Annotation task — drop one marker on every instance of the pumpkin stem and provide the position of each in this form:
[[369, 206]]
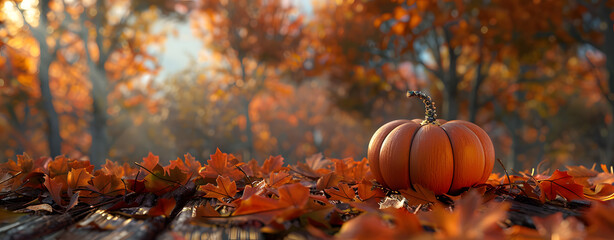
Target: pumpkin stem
[[430, 115]]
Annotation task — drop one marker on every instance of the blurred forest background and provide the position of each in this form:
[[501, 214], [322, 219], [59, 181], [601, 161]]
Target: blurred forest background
[[116, 79]]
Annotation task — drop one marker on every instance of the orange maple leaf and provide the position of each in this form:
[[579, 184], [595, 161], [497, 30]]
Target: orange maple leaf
[[225, 188], [220, 165], [560, 183], [272, 164], [328, 181], [344, 194], [78, 178], [55, 189]]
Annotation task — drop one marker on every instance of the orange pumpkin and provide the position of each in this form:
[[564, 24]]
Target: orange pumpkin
[[444, 156]]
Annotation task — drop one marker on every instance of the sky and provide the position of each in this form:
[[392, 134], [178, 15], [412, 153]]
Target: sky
[[182, 49]]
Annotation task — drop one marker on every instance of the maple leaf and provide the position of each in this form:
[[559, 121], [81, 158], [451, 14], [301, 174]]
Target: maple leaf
[[219, 165], [54, 188], [560, 183], [57, 167], [164, 207], [206, 211], [278, 179], [225, 188], [78, 178], [366, 191], [293, 195], [272, 164], [160, 181], [113, 168], [328, 181], [259, 207], [108, 184], [343, 194], [581, 174], [314, 166], [150, 161], [419, 195]]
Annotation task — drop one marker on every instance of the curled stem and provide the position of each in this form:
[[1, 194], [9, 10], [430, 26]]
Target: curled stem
[[429, 106]]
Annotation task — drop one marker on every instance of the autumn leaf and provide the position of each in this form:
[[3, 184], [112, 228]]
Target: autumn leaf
[[272, 164], [581, 174], [418, 195], [278, 179], [113, 168], [602, 192], [164, 207], [600, 219], [560, 183], [293, 195], [219, 165], [58, 167], [225, 188], [78, 178], [206, 211], [108, 185], [150, 161], [344, 193], [328, 181], [366, 191], [258, 207], [55, 189]]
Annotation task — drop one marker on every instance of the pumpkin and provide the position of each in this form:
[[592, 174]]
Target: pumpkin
[[443, 156]]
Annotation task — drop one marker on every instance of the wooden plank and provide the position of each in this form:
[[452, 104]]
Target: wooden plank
[[35, 226], [104, 225], [183, 227]]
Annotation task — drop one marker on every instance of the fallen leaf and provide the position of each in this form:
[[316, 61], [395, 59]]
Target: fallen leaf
[[41, 207], [206, 211], [328, 181], [225, 188], [344, 193], [560, 183], [163, 207], [418, 195]]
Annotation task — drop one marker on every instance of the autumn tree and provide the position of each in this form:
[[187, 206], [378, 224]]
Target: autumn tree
[[252, 39]]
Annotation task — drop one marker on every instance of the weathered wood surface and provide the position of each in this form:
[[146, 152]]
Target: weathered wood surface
[[99, 224]]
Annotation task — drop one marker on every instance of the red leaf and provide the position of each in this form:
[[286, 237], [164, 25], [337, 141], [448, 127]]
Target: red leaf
[[560, 183], [206, 211], [272, 164], [293, 195], [78, 178], [150, 161], [328, 181], [55, 189], [163, 207], [225, 189], [344, 194], [220, 164]]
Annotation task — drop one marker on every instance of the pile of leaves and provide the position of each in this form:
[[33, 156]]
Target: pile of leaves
[[320, 197]]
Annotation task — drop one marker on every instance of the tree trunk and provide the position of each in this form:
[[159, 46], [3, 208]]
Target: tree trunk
[[248, 122], [98, 127], [450, 107], [53, 123], [608, 50], [479, 78]]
